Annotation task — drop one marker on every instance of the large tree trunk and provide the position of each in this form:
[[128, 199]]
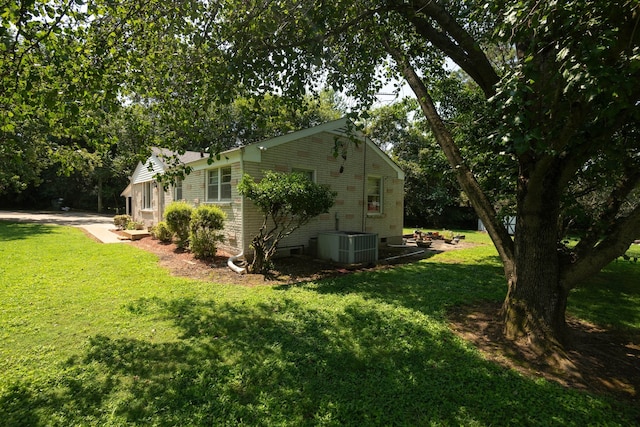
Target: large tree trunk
[[536, 301], [535, 305], [538, 273]]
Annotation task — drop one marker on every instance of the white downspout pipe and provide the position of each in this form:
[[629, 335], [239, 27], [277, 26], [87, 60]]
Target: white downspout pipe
[[231, 264], [232, 260]]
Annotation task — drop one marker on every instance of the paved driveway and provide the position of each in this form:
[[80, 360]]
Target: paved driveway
[[97, 225]]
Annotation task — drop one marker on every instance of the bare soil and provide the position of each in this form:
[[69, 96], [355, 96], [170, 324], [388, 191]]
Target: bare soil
[[597, 360]]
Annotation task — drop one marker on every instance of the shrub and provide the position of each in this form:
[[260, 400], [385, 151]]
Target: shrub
[[121, 221], [288, 201], [135, 225], [161, 232], [177, 216], [206, 222]]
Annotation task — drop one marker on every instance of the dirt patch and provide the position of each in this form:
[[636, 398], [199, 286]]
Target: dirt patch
[[598, 360]]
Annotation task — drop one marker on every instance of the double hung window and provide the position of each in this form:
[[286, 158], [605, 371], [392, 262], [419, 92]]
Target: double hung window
[[147, 194], [374, 195], [177, 190], [306, 172], [219, 184]]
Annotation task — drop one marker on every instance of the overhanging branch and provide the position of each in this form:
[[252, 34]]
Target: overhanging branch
[[613, 204], [466, 179], [615, 243], [453, 40]]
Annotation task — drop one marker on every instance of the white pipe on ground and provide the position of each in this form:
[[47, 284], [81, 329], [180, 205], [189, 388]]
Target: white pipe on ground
[[404, 255], [231, 264]]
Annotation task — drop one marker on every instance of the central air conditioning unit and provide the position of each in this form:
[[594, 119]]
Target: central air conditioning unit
[[348, 247]]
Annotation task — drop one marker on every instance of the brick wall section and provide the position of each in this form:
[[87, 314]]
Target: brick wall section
[[347, 214], [148, 217], [194, 190]]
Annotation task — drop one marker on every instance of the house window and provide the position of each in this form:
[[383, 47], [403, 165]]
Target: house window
[[374, 195], [219, 184], [177, 190], [306, 172], [147, 194]]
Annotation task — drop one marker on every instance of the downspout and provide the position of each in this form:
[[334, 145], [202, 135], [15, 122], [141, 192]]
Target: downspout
[[364, 187], [231, 261]]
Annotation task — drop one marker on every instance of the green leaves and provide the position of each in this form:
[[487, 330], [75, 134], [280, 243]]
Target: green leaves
[[287, 201], [287, 194]]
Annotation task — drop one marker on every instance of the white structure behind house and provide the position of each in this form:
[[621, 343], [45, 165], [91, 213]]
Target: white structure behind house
[[509, 222]]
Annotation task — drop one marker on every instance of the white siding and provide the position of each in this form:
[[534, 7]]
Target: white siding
[[142, 172]]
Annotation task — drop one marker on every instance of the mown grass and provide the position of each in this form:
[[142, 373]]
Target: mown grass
[[96, 334]]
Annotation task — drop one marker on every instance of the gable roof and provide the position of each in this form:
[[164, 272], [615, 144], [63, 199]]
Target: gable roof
[[157, 162], [341, 128], [163, 154]]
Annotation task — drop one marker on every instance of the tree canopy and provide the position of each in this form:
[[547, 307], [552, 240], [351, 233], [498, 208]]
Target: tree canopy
[[561, 89], [560, 81], [86, 90]]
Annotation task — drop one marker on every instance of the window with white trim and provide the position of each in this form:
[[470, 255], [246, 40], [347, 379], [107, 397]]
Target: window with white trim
[[177, 190], [219, 184], [374, 195], [147, 194]]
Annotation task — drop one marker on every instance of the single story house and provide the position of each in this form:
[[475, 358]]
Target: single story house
[[369, 186]]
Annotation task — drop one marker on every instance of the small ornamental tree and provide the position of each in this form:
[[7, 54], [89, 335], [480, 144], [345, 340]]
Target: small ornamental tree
[[178, 216], [204, 230], [288, 201]]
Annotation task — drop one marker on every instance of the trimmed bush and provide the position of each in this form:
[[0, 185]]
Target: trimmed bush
[[121, 221], [177, 216], [135, 225], [204, 230], [161, 232]]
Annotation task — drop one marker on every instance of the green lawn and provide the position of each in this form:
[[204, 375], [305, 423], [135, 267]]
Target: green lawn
[[95, 334]]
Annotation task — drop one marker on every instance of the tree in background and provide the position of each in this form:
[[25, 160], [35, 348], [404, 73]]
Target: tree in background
[[288, 201], [57, 85], [432, 194]]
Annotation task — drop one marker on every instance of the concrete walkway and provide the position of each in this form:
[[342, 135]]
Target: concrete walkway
[[97, 225]]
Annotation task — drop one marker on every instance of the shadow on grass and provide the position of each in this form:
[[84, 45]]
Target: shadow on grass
[[618, 285], [423, 286], [291, 361], [20, 230]]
